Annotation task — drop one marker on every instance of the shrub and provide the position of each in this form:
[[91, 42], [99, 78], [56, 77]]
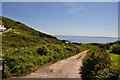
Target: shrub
[[116, 49], [42, 50], [97, 65]]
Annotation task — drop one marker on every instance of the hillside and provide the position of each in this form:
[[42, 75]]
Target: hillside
[[23, 35], [25, 49]]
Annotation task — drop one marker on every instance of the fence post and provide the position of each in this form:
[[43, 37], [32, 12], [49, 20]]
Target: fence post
[[1, 68]]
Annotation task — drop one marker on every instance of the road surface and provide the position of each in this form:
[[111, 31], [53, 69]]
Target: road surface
[[67, 68]]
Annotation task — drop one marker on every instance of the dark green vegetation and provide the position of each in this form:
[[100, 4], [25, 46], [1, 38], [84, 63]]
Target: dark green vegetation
[[101, 62], [25, 49], [116, 49]]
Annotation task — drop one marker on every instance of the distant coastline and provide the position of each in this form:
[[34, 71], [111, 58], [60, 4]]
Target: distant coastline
[[87, 39], [88, 36], [105, 37]]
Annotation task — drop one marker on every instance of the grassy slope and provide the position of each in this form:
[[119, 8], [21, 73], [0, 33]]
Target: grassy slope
[[114, 53], [23, 35], [115, 58], [25, 49]]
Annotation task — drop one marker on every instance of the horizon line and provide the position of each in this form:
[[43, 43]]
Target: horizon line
[[90, 36]]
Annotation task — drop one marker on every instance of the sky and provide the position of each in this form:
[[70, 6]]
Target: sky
[[66, 18], [60, 0]]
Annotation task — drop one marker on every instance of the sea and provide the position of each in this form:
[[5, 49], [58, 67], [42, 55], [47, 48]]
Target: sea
[[88, 39]]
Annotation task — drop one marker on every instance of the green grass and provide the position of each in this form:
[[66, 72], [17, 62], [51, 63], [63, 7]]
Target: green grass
[[115, 59]]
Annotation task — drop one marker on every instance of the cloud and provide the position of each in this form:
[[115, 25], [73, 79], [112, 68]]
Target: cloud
[[73, 7], [73, 10]]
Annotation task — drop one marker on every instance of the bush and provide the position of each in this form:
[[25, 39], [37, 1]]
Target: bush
[[22, 60], [42, 50], [116, 49], [97, 65]]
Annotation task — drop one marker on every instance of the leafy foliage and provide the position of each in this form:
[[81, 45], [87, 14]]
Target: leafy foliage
[[98, 64], [116, 49]]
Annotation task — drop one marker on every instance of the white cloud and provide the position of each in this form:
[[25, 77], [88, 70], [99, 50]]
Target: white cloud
[[73, 7], [73, 10]]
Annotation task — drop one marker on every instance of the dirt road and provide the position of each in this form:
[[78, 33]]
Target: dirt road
[[67, 68]]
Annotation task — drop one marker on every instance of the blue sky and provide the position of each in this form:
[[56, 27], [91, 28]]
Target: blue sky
[[75, 18], [60, 0]]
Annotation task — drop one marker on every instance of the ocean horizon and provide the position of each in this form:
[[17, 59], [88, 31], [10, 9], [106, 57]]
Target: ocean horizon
[[87, 39]]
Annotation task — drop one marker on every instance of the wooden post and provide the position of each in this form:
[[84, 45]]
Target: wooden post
[[1, 68]]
